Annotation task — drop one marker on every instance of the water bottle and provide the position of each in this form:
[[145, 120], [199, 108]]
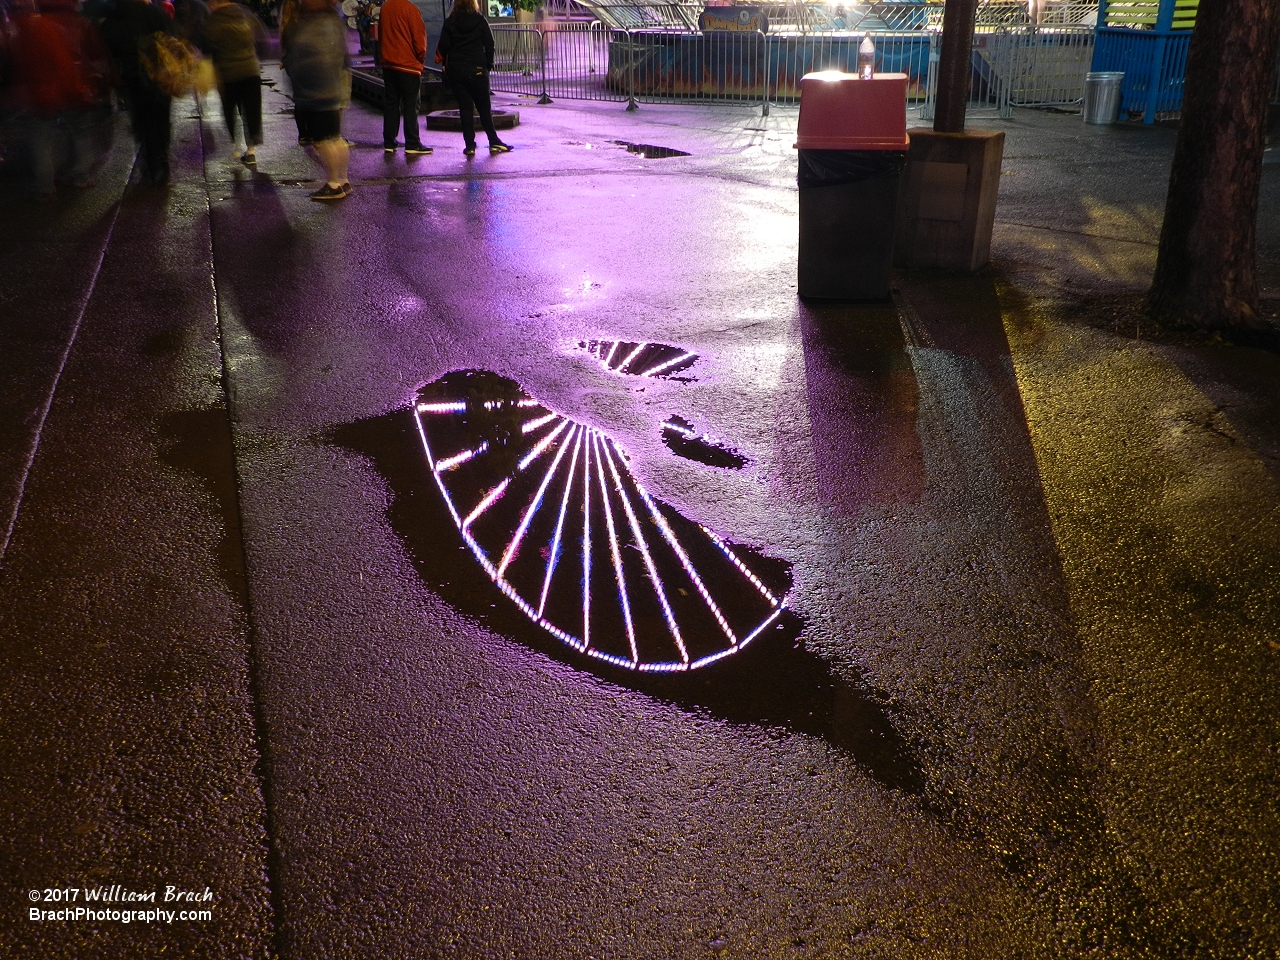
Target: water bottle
[[866, 57]]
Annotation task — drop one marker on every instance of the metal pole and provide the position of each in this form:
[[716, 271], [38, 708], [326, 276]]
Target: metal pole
[[542, 46], [766, 70], [631, 69], [955, 65]]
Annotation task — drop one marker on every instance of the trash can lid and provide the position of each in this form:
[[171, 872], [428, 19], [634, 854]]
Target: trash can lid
[[840, 111]]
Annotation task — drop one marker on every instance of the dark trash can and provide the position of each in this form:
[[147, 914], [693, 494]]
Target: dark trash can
[[852, 144]]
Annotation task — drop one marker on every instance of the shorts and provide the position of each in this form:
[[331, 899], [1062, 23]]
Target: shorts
[[316, 126]]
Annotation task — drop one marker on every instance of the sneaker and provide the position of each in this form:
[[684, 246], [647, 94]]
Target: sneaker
[[499, 147], [327, 193], [346, 188], [389, 147], [418, 151], [249, 160], [469, 151]]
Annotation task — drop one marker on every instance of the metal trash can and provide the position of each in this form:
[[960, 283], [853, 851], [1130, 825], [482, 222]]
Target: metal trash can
[[1102, 96], [852, 142]]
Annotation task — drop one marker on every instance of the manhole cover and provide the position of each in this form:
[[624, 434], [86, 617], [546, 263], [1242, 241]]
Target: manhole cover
[[650, 152], [452, 120]]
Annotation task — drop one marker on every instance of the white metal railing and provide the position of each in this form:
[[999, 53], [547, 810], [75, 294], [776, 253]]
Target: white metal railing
[[1011, 66]]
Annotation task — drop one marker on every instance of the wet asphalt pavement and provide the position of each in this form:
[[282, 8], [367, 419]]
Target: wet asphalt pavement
[[1022, 699]]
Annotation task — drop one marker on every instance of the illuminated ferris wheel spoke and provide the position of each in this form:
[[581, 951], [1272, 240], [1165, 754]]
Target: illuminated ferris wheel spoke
[[554, 555], [514, 545], [654, 577], [615, 551], [586, 543]]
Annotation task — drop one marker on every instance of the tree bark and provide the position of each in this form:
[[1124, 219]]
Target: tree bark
[[1205, 275], [955, 65]]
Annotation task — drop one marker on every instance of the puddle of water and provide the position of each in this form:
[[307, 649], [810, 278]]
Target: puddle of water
[[551, 512], [651, 152], [679, 434], [641, 359], [774, 683]]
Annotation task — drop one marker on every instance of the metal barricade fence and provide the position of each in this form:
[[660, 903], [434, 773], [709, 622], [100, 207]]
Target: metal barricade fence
[[1047, 64], [1023, 65]]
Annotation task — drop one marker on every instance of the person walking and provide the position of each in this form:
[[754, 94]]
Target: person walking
[[59, 73], [466, 50], [403, 55], [231, 37], [127, 30], [315, 58]]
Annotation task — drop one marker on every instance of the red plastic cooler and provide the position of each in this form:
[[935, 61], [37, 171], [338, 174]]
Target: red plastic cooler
[[852, 138]]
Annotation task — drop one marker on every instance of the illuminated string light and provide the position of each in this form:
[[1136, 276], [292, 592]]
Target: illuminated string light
[[541, 446], [674, 361], [686, 432], [603, 468], [489, 499], [514, 545], [532, 425], [447, 464], [760, 629], [627, 362], [654, 577], [670, 536], [459, 406], [608, 361], [586, 543], [448, 500], [616, 553], [733, 558], [555, 540]]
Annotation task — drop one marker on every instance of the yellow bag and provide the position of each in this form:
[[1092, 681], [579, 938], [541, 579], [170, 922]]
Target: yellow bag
[[206, 76], [170, 63]]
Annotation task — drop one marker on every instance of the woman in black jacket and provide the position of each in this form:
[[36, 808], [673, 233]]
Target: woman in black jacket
[[466, 50]]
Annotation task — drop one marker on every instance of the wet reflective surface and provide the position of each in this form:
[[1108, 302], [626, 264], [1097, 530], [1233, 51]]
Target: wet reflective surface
[[775, 683], [1021, 702], [553, 515], [641, 359], [684, 441], [649, 151]]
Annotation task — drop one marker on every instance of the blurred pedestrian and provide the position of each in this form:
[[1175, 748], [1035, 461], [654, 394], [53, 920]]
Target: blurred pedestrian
[[466, 50], [231, 38], [190, 16], [315, 58], [128, 29], [59, 66], [404, 54]]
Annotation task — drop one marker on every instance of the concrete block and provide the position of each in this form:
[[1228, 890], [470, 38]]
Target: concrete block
[[947, 199]]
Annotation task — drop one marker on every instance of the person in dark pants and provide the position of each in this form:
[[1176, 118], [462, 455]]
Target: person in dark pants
[[231, 37], [403, 54], [466, 50], [124, 28]]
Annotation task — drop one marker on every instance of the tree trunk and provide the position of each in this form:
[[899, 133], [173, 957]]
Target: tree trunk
[[1205, 275], [955, 64]]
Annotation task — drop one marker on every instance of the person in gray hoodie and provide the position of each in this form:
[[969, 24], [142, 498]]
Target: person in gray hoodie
[[231, 36], [315, 58]]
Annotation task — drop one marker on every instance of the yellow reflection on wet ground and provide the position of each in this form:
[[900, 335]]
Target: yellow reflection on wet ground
[[1168, 528]]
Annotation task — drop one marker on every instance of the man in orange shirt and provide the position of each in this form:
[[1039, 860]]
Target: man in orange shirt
[[404, 52]]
